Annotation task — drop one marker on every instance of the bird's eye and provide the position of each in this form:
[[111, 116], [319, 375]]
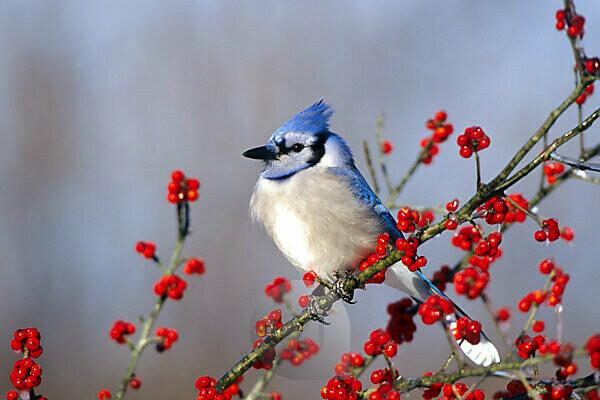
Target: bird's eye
[[297, 147]]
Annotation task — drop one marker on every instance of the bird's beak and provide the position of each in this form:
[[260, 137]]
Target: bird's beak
[[261, 153]]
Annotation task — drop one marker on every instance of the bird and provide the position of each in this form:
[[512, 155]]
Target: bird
[[324, 217]]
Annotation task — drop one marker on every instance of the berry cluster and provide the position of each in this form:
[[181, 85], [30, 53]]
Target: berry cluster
[[166, 338], [593, 348], [450, 392], [182, 189], [120, 330], [440, 132], [26, 374], [343, 387], [410, 258], [466, 237], [384, 378], [536, 297], [451, 222], [434, 308], [471, 282], [385, 392], [171, 286], [474, 139], [147, 249], [589, 90], [483, 263], [380, 252], [194, 266], [527, 345], [278, 288], [489, 246], [409, 220], [559, 283], [516, 214], [494, 210], [298, 351], [349, 361], [571, 20], [401, 326], [270, 322], [467, 329], [430, 150], [380, 342], [206, 386], [27, 340], [549, 231]]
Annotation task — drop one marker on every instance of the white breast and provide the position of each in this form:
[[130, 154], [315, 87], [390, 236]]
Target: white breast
[[315, 220]]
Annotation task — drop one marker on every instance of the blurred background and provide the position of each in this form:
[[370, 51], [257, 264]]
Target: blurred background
[[100, 100]]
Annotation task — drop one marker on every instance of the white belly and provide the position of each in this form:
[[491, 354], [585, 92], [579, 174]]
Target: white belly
[[315, 221]]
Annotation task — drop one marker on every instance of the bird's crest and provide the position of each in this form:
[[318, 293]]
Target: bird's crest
[[314, 119]]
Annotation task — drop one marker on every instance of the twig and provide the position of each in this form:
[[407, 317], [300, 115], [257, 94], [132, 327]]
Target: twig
[[370, 167]]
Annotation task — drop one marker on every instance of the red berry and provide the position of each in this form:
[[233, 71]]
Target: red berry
[[540, 236], [177, 175], [135, 383], [466, 152], [12, 395], [386, 147], [538, 326], [303, 301]]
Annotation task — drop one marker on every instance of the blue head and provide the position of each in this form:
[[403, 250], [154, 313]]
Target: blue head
[[302, 142]]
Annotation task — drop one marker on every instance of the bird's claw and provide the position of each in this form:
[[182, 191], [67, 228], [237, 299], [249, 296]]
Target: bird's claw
[[339, 287], [316, 312]]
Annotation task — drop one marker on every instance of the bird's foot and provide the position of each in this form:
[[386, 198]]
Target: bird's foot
[[339, 287], [316, 312]]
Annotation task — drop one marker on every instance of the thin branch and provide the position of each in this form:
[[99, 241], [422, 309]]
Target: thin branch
[[145, 338], [578, 164], [370, 167]]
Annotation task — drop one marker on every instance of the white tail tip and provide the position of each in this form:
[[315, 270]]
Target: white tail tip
[[483, 353]]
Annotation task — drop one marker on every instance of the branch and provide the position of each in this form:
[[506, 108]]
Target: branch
[[145, 338]]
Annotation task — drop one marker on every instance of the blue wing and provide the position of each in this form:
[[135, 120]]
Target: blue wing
[[364, 193]]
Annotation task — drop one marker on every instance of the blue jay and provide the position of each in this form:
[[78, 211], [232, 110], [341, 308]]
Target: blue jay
[[323, 216]]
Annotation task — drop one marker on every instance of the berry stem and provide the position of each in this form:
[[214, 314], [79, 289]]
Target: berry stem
[[379, 123], [370, 167], [395, 192], [478, 168]]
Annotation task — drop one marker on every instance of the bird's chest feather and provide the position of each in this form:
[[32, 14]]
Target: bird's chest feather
[[316, 221]]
